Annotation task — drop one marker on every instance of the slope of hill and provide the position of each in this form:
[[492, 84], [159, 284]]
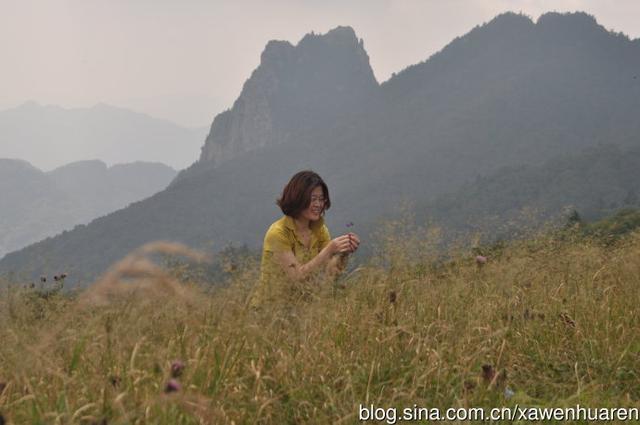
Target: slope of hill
[[510, 93], [36, 205], [50, 136], [595, 182]]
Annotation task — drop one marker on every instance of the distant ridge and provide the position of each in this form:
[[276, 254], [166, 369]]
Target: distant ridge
[[50, 136], [36, 204]]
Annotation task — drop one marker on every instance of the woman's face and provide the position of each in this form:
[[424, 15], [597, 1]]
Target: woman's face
[[316, 207]]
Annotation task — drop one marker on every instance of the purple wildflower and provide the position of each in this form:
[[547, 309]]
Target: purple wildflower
[[176, 368], [488, 373], [172, 386]]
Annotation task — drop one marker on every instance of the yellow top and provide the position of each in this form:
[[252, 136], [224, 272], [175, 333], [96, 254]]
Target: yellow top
[[283, 236]]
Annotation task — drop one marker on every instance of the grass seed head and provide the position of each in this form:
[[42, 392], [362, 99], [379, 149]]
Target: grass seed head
[[567, 320], [469, 385], [114, 380], [393, 297]]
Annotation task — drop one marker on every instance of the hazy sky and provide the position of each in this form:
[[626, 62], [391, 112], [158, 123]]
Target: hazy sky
[[187, 60]]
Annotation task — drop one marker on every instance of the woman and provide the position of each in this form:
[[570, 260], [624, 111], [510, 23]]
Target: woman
[[298, 246]]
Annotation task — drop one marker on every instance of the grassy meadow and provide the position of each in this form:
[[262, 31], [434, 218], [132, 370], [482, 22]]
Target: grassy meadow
[[546, 321]]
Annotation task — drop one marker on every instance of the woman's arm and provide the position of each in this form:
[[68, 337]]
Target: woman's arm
[[298, 272], [336, 265]]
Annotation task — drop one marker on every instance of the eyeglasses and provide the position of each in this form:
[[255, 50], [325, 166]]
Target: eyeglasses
[[320, 199]]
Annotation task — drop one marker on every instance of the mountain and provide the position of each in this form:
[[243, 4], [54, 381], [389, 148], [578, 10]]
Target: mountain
[[510, 94], [295, 89], [36, 204], [50, 136], [595, 182]]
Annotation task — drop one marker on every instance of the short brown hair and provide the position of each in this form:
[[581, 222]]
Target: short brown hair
[[296, 195]]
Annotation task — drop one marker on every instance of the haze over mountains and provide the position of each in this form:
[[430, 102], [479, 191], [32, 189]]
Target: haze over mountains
[[37, 204], [50, 136], [502, 112]]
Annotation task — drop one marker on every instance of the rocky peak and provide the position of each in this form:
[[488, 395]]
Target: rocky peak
[[294, 88], [577, 26], [555, 19], [509, 21], [276, 51]]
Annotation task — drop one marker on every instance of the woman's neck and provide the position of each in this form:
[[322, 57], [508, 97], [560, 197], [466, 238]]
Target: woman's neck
[[302, 224]]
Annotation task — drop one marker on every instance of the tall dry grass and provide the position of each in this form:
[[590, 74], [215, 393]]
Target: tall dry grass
[[555, 321]]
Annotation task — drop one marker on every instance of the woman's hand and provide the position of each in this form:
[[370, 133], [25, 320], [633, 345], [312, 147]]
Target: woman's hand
[[354, 241], [341, 244], [345, 244]]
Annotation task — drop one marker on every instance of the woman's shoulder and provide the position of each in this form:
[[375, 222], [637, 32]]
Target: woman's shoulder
[[278, 231], [278, 225]]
